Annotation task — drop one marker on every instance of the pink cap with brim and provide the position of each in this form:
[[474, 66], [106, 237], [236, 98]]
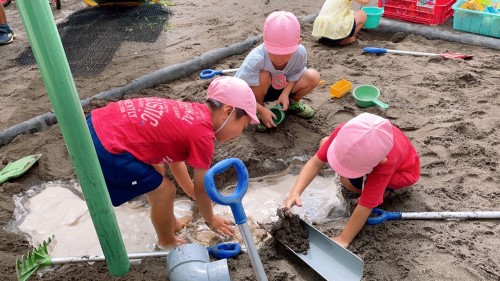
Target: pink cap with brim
[[360, 145], [236, 92], [281, 33]]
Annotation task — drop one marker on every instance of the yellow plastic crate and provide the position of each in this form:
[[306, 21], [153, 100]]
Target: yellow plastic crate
[[340, 88]]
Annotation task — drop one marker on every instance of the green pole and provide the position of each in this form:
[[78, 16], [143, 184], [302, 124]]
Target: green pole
[[43, 36]]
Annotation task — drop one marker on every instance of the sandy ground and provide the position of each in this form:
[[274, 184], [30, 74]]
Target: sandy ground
[[448, 108]]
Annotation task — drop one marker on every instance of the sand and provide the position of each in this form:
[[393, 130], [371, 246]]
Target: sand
[[448, 108]]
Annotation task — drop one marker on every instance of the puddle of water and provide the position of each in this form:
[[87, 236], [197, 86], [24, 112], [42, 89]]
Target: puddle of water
[[54, 209]]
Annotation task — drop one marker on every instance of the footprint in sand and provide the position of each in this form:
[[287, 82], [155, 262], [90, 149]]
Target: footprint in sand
[[340, 116]]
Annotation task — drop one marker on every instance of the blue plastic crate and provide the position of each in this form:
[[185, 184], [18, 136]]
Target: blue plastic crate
[[482, 23]]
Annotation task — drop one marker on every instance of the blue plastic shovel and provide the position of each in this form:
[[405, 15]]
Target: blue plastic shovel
[[210, 73], [234, 201], [389, 216]]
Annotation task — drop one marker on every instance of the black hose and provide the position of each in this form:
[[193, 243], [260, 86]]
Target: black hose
[[433, 32]]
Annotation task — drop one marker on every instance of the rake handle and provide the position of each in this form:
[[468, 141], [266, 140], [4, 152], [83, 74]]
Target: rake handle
[[136, 256], [219, 251]]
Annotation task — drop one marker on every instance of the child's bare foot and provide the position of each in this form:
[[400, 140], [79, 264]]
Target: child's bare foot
[[348, 40], [165, 245], [178, 225]]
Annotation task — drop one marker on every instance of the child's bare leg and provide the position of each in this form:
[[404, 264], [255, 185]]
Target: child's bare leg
[[307, 82], [162, 214], [348, 185], [260, 91], [178, 225], [360, 17]]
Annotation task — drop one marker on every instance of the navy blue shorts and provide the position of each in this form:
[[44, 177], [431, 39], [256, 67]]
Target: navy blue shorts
[[336, 41], [273, 94], [358, 183], [126, 177]]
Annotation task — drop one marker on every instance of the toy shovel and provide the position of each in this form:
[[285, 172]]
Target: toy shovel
[[18, 167], [381, 216], [210, 73], [448, 55], [234, 201]]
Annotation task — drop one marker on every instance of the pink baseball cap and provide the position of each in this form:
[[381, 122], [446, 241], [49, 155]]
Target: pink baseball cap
[[236, 92], [281, 33], [360, 145]]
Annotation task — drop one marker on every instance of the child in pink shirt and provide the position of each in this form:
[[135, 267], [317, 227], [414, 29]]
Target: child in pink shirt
[[136, 138], [372, 157]]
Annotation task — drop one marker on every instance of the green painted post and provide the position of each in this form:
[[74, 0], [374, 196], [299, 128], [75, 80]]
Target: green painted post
[[43, 36]]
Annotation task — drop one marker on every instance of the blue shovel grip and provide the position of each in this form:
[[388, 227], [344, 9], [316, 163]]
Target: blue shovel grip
[[383, 216], [372, 50], [209, 73], [233, 200], [224, 250]]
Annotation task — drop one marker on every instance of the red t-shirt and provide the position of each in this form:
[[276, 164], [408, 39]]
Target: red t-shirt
[[401, 169], [157, 130]]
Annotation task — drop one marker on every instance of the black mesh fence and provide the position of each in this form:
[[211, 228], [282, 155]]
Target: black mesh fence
[[91, 36]]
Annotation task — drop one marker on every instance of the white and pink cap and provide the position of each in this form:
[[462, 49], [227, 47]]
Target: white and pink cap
[[236, 92], [360, 145]]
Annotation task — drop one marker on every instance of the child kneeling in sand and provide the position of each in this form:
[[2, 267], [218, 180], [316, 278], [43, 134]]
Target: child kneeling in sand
[[276, 70], [372, 157], [336, 23], [135, 138]]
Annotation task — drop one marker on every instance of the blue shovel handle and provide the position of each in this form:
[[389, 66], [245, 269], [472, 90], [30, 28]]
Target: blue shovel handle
[[233, 200], [373, 50], [209, 73], [383, 216], [224, 250]]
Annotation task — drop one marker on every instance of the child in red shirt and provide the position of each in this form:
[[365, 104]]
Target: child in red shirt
[[372, 157], [135, 138]]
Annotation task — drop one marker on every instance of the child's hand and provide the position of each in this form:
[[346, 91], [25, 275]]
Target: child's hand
[[340, 241], [284, 101], [221, 226], [267, 117], [293, 199]]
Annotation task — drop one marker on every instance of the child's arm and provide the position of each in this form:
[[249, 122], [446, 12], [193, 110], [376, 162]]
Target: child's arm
[[283, 98], [216, 223], [353, 226], [307, 174], [181, 175], [266, 116]]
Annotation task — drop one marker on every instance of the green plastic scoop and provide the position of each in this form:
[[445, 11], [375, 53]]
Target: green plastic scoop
[[367, 95], [18, 167]]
